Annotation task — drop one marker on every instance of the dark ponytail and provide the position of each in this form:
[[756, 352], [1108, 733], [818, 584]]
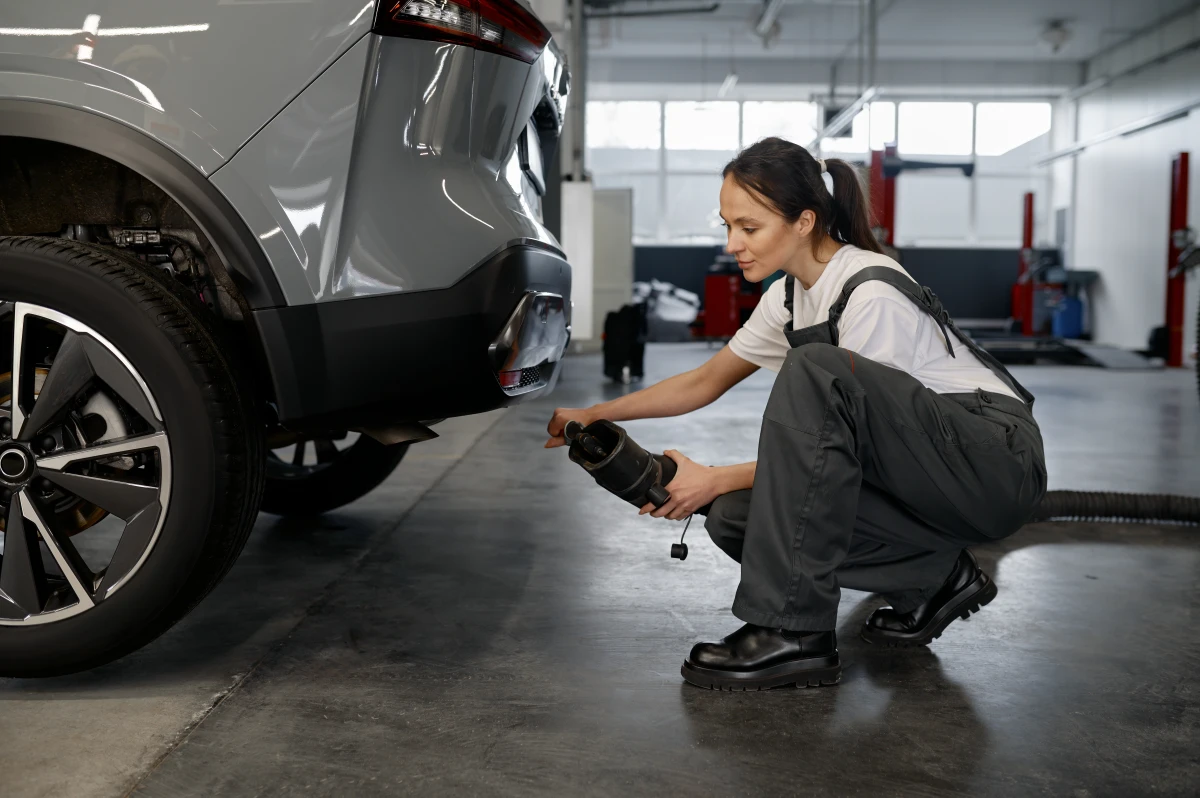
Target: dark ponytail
[[852, 217], [789, 179]]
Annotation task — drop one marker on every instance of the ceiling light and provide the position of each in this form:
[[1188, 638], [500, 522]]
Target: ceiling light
[[1054, 35]]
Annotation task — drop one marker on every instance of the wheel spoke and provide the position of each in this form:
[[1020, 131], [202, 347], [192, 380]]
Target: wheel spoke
[[327, 451], [57, 462], [298, 455], [122, 499], [115, 375], [134, 540], [71, 372], [22, 575], [31, 588], [18, 367], [78, 575]]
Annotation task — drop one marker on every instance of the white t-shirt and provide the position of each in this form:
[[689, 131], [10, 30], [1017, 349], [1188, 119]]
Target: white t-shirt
[[879, 323]]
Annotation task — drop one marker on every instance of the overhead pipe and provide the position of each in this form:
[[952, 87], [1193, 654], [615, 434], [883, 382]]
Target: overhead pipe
[[1101, 81], [847, 114], [872, 40], [1130, 129], [769, 17], [577, 107], [654, 12]]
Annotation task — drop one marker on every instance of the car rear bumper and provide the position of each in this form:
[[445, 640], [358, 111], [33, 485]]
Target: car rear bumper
[[421, 355]]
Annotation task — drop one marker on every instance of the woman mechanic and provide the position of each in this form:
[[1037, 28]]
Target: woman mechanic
[[890, 442]]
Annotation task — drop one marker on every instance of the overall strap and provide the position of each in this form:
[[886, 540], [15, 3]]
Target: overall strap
[[927, 301], [920, 296], [789, 296]]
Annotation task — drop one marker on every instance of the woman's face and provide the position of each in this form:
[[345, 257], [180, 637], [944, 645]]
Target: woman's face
[[762, 241]]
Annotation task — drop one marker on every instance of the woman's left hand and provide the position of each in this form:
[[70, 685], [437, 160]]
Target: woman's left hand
[[693, 487]]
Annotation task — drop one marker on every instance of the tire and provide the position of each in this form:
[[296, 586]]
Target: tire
[[209, 471], [347, 475]]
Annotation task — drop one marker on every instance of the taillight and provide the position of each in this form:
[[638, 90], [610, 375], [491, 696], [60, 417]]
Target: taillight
[[498, 26]]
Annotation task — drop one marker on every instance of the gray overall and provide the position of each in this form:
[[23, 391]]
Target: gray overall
[[867, 479]]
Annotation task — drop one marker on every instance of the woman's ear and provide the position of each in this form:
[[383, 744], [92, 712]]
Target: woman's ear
[[805, 224]]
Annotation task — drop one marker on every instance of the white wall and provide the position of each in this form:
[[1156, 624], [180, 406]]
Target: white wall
[[1122, 199], [578, 241], [612, 261]]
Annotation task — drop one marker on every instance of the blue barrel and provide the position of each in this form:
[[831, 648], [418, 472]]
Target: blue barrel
[[1068, 318]]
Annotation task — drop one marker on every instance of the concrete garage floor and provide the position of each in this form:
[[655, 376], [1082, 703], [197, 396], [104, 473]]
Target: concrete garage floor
[[489, 622]]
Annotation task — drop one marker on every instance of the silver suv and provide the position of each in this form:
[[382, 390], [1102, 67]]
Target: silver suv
[[248, 253]]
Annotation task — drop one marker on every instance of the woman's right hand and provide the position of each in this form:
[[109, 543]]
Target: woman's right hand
[[561, 416]]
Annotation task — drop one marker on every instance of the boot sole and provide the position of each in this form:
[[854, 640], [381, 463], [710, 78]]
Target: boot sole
[[816, 672], [978, 594]]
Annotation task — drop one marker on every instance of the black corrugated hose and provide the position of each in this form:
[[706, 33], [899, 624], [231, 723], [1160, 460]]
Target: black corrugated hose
[[1071, 505]]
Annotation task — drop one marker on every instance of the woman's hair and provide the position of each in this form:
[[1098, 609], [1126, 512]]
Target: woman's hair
[[789, 179]]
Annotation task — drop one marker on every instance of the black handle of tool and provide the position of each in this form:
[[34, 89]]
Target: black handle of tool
[[658, 494]]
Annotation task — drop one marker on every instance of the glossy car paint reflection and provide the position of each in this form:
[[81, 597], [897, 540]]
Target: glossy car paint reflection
[[363, 165], [406, 189], [201, 76]]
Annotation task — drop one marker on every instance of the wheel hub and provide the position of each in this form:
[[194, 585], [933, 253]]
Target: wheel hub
[[15, 464]]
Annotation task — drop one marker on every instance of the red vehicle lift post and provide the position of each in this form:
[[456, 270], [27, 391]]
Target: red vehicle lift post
[[883, 195], [1022, 293], [1175, 243]]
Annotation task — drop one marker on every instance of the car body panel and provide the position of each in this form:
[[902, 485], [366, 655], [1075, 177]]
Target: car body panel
[[200, 76], [367, 193], [396, 170], [289, 182]]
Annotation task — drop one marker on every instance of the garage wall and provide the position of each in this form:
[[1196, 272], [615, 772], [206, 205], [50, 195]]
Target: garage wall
[[1122, 199]]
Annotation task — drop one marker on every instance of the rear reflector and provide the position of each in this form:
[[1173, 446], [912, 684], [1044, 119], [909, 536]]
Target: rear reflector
[[510, 379], [498, 26]]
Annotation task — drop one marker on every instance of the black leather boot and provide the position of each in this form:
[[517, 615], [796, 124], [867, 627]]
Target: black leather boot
[[757, 658], [967, 589]]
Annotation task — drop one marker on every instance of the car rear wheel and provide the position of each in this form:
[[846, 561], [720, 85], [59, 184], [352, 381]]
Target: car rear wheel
[[323, 473], [131, 458]]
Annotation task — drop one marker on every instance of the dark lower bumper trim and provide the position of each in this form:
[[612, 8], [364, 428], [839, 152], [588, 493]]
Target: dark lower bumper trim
[[407, 356]]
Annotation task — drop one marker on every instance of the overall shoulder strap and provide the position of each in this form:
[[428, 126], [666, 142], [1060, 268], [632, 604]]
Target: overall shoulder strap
[[921, 297], [927, 301], [789, 297]]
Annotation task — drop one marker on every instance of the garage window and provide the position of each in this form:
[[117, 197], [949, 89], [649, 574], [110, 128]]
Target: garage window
[[793, 121], [626, 125], [935, 128], [702, 126], [1002, 127]]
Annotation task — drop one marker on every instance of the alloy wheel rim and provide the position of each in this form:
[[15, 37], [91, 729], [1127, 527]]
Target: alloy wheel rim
[[308, 455], [80, 464]]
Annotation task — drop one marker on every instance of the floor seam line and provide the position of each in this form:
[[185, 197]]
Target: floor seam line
[[355, 566]]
